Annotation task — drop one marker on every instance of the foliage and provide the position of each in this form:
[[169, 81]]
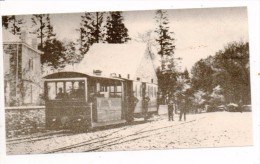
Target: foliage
[[233, 73], [54, 53], [5, 22], [225, 77], [13, 23], [116, 32], [167, 75], [164, 36], [202, 75], [54, 50], [71, 54], [39, 22], [91, 30]]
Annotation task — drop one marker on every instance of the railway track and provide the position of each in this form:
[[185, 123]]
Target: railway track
[[115, 138], [39, 137]]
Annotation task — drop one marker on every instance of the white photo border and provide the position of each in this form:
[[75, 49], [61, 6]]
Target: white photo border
[[238, 155]]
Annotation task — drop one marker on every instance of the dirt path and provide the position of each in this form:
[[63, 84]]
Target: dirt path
[[219, 129]]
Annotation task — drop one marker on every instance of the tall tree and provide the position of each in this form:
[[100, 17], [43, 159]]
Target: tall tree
[[116, 32], [90, 30], [164, 36], [233, 74], [54, 50], [202, 75], [39, 21], [167, 77], [13, 23]]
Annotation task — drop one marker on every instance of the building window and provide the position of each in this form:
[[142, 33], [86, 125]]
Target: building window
[[31, 64]]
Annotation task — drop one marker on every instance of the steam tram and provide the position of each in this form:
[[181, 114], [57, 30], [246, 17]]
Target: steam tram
[[76, 99]]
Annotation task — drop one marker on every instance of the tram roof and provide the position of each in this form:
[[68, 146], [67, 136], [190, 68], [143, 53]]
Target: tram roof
[[70, 74]]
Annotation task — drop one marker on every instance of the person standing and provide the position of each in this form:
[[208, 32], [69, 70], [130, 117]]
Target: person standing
[[184, 107], [60, 94], [145, 103], [170, 110], [132, 100]]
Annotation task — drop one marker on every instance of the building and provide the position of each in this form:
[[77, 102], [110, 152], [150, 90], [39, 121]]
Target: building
[[22, 70], [131, 61]]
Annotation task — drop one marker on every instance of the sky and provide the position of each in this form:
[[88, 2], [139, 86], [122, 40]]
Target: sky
[[198, 33]]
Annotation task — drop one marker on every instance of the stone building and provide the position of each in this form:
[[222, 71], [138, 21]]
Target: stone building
[[22, 70]]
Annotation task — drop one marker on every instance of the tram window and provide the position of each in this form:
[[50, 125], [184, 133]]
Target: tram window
[[135, 90], [112, 88], [138, 91], [118, 89], [69, 87], [78, 90], [141, 89], [66, 90], [60, 90], [76, 85], [51, 91], [149, 93], [98, 87]]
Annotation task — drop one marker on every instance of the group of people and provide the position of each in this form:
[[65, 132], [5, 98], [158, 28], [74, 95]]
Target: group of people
[[132, 100], [72, 94], [182, 107], [172, 106]]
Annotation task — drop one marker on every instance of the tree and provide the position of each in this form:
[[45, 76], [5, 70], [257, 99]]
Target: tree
[[202, 76], [39, 21], [71, 55], [225, 77], [5, 22], [167, 76], [91, 28], [13, 23], [54, 50], [233, 73], [116, 32], [164, 36], [186, 74], [54, 54]]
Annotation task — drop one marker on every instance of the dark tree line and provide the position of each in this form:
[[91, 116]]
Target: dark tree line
[[94, 29], [226, 75]]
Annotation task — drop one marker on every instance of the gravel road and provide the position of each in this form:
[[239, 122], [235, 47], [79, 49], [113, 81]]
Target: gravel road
[[219, 129]]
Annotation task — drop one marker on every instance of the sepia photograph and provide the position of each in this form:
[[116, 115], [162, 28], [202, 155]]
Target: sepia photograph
[[109, 81]]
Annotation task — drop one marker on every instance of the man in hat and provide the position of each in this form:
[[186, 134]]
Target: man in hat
[[60, 94], [145, 102], [170, 110], [184, 106]]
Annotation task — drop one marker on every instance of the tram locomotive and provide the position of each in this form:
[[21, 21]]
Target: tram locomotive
[[75, 99]]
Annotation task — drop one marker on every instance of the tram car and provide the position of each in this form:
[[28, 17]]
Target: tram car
[[75, 99]]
